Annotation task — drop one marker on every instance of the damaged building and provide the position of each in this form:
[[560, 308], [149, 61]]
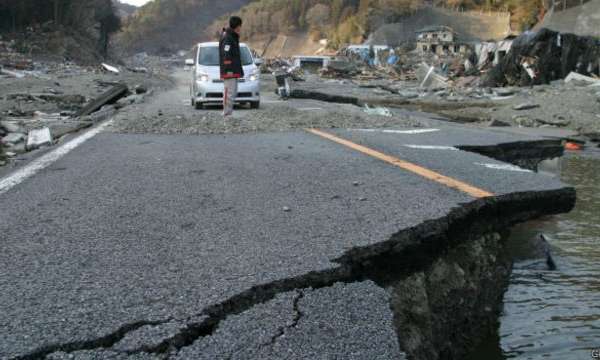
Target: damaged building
[[440, 40], [492, 52]]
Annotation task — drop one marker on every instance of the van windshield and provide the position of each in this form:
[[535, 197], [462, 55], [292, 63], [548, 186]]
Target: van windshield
[[209, 56]]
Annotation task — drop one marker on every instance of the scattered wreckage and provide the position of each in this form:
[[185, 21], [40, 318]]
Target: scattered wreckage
[[544, 56], [24, 130]]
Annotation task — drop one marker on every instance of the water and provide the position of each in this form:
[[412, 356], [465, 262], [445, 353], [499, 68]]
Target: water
[[556, 314]]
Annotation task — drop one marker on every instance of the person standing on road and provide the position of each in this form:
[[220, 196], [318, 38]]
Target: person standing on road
[[230, 62]]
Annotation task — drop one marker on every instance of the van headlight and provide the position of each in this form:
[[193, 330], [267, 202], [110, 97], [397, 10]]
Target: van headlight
[[254, 76], [203, 77]]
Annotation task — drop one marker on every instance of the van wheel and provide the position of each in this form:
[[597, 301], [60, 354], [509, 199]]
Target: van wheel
[[199, 105], [255, 104]]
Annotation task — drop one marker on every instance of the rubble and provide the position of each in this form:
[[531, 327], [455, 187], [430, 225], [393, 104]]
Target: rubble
[[37, 111]]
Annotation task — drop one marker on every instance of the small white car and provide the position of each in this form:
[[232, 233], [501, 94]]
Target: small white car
[[207, 87]]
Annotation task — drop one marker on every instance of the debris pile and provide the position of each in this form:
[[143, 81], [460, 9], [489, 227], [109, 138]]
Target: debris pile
[[43, 98], [545, 56]]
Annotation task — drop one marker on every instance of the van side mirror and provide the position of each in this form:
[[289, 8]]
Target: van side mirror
[[258, 61], [189, 62]]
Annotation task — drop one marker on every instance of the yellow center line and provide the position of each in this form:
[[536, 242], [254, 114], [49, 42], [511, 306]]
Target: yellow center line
[[419, 170]]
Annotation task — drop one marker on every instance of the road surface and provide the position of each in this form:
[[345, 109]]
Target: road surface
[[130, 244]]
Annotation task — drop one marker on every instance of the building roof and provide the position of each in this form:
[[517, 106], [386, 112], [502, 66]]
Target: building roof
[[435, 29]]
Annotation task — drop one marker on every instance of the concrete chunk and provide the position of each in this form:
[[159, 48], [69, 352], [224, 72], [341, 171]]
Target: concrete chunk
[[573, 76], [38, 138]]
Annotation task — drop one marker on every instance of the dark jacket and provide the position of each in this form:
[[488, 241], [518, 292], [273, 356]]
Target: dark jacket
[[230, 56]]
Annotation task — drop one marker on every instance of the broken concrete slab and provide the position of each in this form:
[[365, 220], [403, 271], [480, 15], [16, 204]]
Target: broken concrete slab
[[573, 76], [109, 97], [38, 138]]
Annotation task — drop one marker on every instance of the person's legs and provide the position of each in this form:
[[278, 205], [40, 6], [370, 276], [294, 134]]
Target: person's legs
[[230, 88]]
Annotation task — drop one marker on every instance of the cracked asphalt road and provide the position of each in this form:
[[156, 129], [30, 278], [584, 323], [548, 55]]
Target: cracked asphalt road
[[130, 238]]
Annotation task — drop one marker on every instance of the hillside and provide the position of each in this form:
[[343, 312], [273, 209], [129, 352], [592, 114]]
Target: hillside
[[470, 26], [292, 25], [387, 21], [581, 20], [78, 30], [165, 26]]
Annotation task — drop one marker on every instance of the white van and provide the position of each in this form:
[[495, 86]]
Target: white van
[[207, 87]]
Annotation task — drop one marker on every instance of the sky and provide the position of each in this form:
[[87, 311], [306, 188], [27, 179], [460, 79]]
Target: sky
[[136, 2]]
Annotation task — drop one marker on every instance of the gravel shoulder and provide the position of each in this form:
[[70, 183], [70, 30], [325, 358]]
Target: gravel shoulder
[[170, 112]]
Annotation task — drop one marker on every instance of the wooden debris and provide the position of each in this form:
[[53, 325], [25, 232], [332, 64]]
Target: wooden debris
[[109, 97]]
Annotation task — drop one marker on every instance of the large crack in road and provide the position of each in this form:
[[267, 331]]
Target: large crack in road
[[407, 252]]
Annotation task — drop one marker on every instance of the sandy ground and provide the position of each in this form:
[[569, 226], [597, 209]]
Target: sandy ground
[[170, 112]]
